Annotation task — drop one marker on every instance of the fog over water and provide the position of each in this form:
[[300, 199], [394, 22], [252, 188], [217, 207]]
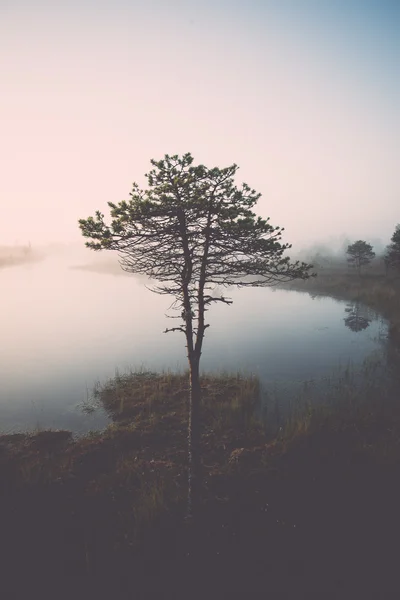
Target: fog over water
[[74, 317]]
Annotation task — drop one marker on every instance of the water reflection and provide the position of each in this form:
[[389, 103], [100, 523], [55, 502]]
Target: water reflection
[[358, 317], [67, 328]]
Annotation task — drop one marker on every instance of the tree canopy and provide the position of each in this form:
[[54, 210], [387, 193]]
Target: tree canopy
[[360, 254], [193, 228]]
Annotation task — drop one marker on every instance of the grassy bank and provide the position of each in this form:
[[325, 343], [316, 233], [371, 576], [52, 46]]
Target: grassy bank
[[311, 506]]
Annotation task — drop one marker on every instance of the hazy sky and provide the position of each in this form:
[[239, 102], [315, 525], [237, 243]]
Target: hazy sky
[[303, 95]]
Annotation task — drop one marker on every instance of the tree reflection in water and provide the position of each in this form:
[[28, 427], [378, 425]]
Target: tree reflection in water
[[358, 317]]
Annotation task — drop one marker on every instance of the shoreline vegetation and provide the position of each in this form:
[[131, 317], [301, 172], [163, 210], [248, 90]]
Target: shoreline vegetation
[[307, 502], [374, 287], [13, 256], [310, 505]]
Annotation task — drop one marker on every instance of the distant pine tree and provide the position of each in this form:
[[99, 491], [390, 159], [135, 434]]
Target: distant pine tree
[[360, 254], [392, 255]]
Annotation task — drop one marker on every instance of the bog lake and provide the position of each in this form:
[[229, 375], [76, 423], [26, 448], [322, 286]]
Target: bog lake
[[67, 325]]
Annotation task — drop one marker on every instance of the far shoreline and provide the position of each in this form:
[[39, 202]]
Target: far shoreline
[[375, 289]]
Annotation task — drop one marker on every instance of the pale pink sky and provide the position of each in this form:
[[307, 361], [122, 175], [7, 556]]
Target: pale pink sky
[[306, 107]]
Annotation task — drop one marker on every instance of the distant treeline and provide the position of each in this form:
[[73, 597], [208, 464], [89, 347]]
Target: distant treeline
[[17, 254], [358, 255]]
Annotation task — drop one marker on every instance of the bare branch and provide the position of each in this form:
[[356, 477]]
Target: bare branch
[[168, 330], [210, 299]]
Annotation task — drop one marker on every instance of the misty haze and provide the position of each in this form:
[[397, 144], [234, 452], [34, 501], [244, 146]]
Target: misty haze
[[74, 317], [200, 299]]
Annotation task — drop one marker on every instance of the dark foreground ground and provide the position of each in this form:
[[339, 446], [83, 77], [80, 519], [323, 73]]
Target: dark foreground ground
[[313, 512]]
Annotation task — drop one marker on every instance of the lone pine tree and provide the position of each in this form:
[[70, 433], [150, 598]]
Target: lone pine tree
[[193, 232]]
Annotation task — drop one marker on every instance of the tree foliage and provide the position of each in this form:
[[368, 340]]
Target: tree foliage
[[360, 254], [392, 255], [193, 232]]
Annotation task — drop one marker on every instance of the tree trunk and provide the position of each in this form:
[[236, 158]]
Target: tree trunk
[[194, 491]]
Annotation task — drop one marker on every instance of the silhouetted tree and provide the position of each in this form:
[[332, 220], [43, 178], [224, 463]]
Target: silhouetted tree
[[360, 254], [392, 254], [191, 231]]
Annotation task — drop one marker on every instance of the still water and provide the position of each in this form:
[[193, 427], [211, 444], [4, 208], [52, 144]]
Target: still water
[[65, 328]]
